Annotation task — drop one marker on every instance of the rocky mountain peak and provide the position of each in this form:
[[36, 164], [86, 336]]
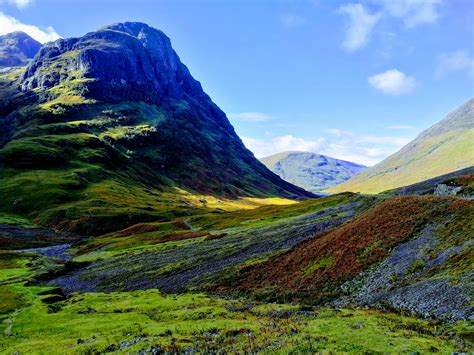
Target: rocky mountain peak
[[124, 61], [17, 48]]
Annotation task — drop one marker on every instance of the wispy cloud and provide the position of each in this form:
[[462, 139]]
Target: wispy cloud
[[10, 24], [456, 61], [293, 20], [21, 4], [250, 117], [364, 149], [362, 21], [392, 82], [359, 27], [413, 12]]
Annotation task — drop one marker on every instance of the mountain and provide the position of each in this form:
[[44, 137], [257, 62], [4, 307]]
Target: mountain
[[110, 129], [313, 172], [17, 49], [443, 148]]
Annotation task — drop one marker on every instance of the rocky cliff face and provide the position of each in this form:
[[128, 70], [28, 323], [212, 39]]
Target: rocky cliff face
[[124, 61], [17, 49]]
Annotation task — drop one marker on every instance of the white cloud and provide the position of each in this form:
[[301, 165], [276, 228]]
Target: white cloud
[[10, 24], [250, 117], [455, 61], [292, 20], [412, 12], [362, 22], [392, 82], [359, 148], [360, 26], [273, 145], [21, 4]]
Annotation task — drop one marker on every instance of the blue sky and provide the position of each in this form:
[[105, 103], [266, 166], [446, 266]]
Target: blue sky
[[353, 80]]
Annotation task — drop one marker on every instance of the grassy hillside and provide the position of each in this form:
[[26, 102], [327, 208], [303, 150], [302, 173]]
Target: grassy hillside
[[441, 149], [462, 179]]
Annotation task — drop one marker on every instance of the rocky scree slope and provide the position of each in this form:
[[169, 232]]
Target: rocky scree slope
[[17, 49], [313, 172], [103, 130], [408, 253], [443, 148]]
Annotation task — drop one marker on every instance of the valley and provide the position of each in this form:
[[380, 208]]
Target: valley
[[134, 220], [119, 307]]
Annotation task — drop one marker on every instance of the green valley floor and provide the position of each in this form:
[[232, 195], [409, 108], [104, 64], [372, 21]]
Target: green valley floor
[[183, 285]]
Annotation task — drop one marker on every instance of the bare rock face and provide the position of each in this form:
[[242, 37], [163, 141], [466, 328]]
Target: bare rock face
[[446, 190], [17, 49], [123, 61]]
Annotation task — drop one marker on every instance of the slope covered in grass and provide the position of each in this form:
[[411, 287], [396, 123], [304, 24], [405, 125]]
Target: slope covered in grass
[[188, 253], [443, 148]]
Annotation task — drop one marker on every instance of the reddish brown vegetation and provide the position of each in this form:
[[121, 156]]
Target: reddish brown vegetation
[[180, 224], [313, 268], [181, 236], [139, 228]]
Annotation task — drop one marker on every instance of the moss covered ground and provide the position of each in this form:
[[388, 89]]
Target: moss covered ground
[[145, 320]]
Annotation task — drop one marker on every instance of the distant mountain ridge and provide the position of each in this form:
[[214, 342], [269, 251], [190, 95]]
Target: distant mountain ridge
[[311, 171], [17, 49], [443, 148]]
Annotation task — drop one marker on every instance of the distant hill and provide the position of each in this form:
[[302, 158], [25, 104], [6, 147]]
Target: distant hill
[[17, 49], [313, 172], [443, 148]]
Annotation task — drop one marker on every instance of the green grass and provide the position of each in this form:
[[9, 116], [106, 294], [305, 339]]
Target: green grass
[[16, 221], [266, 215], [92, 322], [318, 264]]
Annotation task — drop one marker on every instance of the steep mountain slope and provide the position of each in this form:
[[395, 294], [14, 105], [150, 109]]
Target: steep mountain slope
[[313, 172], [17, 49], [110, 129], [443, 148]]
